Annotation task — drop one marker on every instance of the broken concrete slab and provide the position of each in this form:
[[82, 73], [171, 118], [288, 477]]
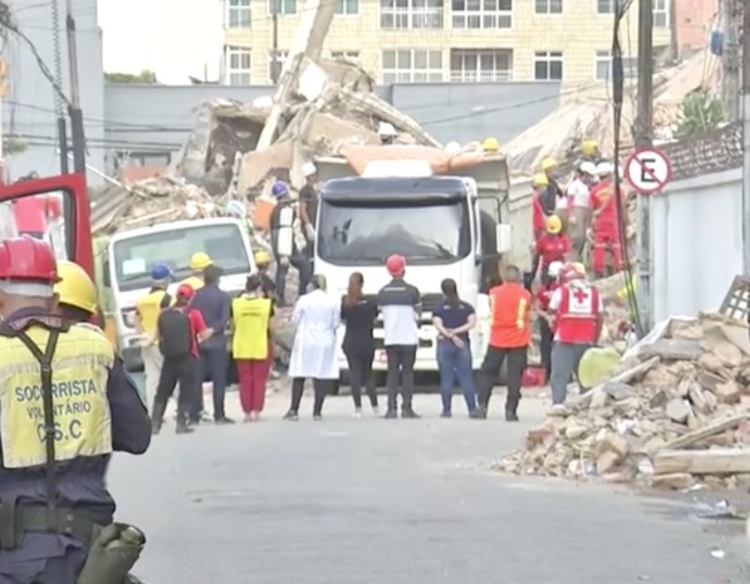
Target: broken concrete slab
[[672, 350]]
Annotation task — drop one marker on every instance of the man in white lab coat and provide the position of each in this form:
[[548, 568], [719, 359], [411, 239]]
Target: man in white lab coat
[[314, 351]]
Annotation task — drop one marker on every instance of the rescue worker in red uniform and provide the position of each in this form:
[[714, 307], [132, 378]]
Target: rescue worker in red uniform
[[606, 221], [538, 212], [553, 246], [578, 311], [546, 321]]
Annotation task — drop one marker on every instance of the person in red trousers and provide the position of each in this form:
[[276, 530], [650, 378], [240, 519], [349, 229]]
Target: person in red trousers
[[251, 319], [607, 218]]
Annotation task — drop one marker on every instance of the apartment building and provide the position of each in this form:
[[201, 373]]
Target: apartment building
[[408, 41]]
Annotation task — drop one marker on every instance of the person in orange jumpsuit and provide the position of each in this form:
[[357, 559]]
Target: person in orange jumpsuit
[[606, 221], [553, 246], [546, 322], [538, 212]]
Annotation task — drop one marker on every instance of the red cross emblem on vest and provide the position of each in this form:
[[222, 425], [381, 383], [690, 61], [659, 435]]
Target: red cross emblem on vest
[[580, 295]]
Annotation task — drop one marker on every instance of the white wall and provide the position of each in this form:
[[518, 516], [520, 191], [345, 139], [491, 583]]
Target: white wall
[[696, 243]]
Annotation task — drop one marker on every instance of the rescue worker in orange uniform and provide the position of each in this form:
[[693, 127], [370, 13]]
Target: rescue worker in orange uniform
[[538, 213], [546, 321], [510, 334], [606, 221], [578, 310], [553, 246]]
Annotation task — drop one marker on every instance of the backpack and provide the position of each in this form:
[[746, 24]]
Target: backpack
[[175, 333]]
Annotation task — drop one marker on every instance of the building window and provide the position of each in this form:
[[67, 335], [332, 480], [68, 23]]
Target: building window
[[604, 66], [608, 6], [661, 13], [482, 13], [548, 6], [411, 13], [347, 7], [351, 56], [481, 65], [412, 65], [238, 66], [238, 14], [548, 65], [281, 58], [282, 7]]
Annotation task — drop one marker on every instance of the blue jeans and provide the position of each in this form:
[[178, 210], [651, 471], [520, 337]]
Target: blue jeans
[[454, 364]]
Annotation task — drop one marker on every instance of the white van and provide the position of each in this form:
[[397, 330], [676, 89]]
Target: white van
[[132, 254]]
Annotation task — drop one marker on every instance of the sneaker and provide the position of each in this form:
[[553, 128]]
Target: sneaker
[[224, 421], [476, 414], [291, 415], [409, 413], [376, 411], [480, 413], [317, 417], [357, 413], [183, 429], [511, 416], [446, 415], [249, 418], [391, 415]]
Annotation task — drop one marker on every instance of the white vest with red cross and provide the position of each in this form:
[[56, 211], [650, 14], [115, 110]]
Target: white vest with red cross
[[577, 314]]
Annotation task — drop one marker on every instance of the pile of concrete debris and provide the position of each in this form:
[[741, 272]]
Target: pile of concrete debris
[[675, 412]]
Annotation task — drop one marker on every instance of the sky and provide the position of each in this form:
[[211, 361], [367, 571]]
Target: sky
[[173, 38]]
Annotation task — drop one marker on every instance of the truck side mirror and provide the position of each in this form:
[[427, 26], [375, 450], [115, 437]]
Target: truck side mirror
[[504, 237], [105, 274]]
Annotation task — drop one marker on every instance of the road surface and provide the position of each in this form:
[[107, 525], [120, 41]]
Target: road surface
[[370, 501]]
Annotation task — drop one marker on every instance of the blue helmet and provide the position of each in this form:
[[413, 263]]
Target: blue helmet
[[160, 272], [279, 189]]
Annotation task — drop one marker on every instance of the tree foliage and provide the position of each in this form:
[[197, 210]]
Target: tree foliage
[[144, 76], [13, 146], [701, 112]]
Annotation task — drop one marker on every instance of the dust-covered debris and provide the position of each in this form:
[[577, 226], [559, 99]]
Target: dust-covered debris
[[675, 413]]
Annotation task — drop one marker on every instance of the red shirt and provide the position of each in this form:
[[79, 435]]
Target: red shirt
[[603, 198], [552, 248], [537, 214], [544, 295]]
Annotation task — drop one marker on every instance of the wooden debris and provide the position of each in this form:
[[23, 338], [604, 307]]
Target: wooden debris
[[703, 462]]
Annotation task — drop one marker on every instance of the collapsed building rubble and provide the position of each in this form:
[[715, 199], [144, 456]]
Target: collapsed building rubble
[[675, 412]]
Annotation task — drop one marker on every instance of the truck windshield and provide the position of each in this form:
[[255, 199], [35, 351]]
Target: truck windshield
[[366, 234], [135, 256]]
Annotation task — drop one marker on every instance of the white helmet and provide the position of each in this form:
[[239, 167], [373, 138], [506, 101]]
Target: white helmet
[[308, 169], [604, 169], [588, 168], [386, 129], [236, 208], [553, 270], [453, 148]]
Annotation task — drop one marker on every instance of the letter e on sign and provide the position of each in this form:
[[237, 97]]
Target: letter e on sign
[[648, 170]]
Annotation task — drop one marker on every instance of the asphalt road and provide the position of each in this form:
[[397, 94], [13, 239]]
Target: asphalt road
[[406, 501]]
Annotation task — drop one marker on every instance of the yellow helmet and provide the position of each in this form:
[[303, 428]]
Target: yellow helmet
[[75, 287], [490, 145], [200, 261], [589, 147], [549, 163], [554, 224], [540, 180], [580, 268], [262, 257]]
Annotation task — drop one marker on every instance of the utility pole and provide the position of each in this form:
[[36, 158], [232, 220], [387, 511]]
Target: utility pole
[[746, 139], [275, 73], [644, 125], [730, 60], [62, 130], [76, 115]]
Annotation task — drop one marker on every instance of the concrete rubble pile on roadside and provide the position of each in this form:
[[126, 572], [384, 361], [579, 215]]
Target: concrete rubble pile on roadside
[[675, 413]]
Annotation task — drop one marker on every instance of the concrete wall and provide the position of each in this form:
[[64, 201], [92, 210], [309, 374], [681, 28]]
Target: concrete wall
[[158, 118], [696, 238], [29, 107]]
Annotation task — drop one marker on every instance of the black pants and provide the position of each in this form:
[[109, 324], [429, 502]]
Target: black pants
[[182, 370], [400, 361], [301, 263], [360, 373], [321, 387], [545, 347], [491, 365]]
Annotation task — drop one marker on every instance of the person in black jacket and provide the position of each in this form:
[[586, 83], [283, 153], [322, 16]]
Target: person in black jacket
[[359, 314]]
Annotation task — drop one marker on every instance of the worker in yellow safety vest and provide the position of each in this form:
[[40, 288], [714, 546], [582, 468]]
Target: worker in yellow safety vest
[[199, 261], [67, 404]]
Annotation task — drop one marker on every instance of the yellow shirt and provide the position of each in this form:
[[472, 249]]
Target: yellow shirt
[[148, 308], [83, 425], [194, 282], [250, 317]]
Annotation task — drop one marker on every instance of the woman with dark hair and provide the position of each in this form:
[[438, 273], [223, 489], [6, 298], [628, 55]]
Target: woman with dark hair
[[359, 314], [453, 319]]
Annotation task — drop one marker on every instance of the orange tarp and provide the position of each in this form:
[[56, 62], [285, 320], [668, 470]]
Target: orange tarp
[[441, 162]]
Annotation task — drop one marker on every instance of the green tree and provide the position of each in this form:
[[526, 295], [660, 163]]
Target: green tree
[[701, 112], [13, 146], [144, 76]]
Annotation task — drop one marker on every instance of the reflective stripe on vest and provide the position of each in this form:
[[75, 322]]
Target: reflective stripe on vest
[[250, 317], [80, 368], [578, 314]]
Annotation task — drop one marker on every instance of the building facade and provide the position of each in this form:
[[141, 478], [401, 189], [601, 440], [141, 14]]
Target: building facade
[[409, 41]]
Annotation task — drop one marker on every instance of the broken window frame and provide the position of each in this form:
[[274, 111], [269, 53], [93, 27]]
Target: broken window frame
[[482, 14], [549, 59], [480, 73], [412, 14], [239, 75], [402, 72], [347, 8], [238, 14]]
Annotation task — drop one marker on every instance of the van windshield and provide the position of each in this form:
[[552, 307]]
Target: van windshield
[[135, 257], [365, 234]]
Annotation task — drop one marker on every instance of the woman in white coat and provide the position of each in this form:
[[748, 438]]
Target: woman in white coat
[[314, 351]]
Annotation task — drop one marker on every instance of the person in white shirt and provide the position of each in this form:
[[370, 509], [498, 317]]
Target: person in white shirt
[[579, 220]]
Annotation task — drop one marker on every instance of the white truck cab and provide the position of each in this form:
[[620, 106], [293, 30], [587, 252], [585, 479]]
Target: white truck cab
[[132, 254]]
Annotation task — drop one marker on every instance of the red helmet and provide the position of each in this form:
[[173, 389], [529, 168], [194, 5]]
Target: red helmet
[[26, 258], [185, 291], [395, 264]]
